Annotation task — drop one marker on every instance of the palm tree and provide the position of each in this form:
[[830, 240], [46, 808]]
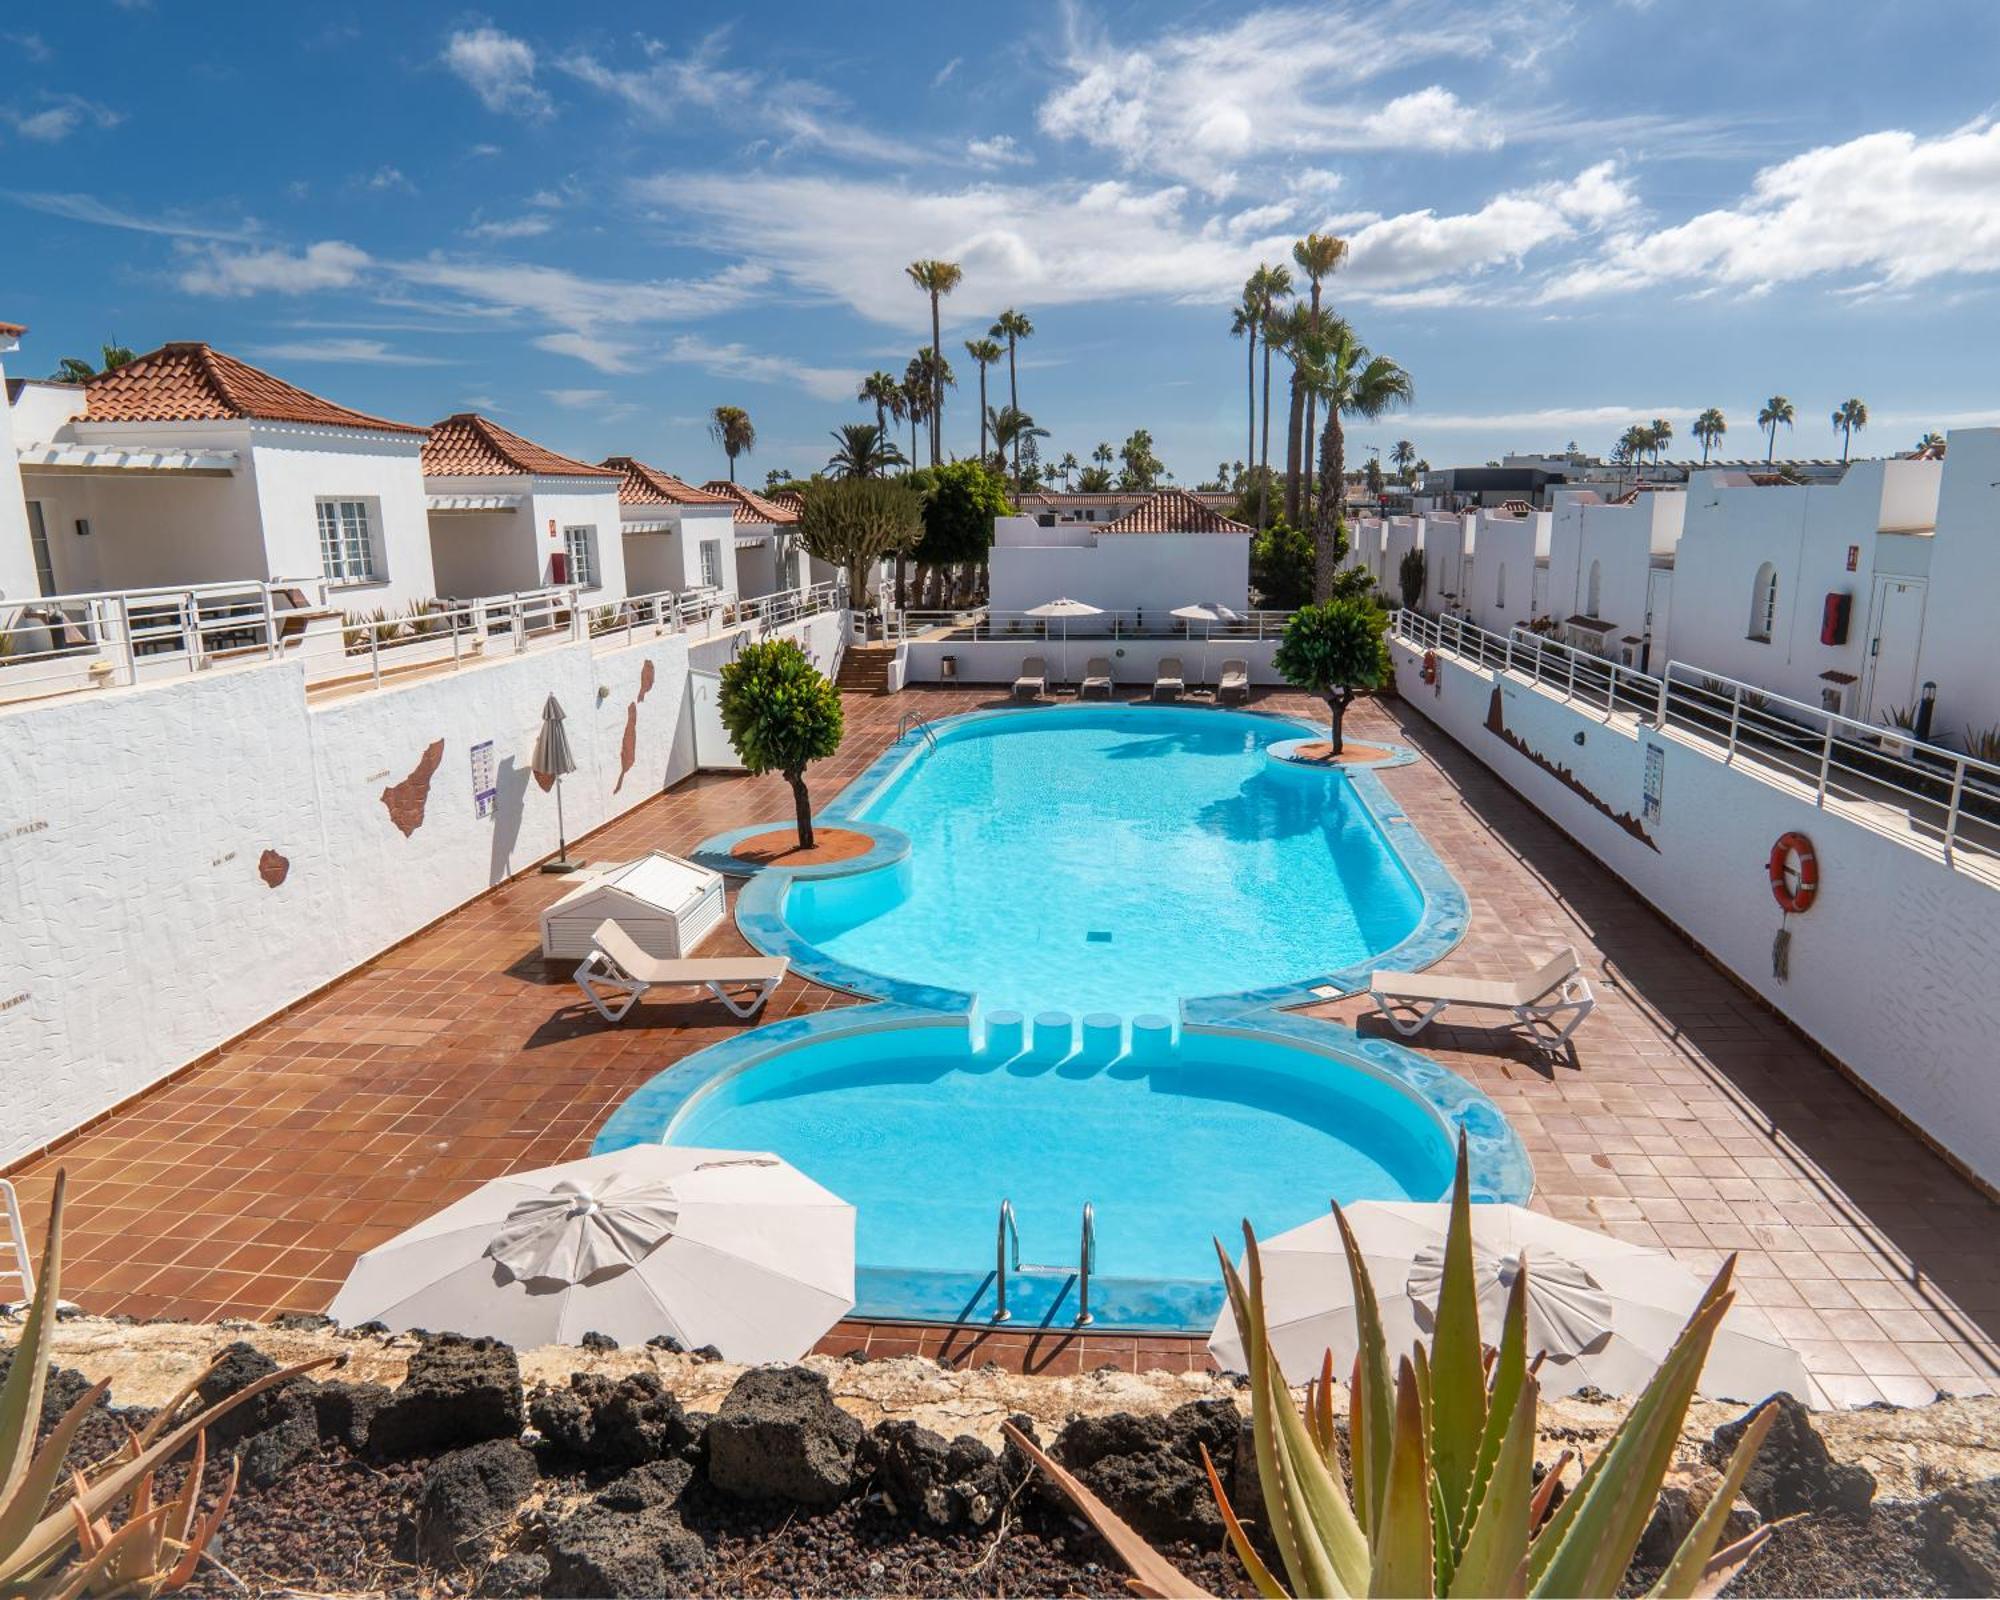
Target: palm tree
[[1777, 409], [1662, 434], [1067, 467], [1403, 456], [916, 398], [730, 427], [1318, 256], [1013, 326], [1851, 416], [1242, 323], [74, 369], [1268, 285], [1931, 443], [865, 452], [1286, 329], [1354, 382], [985, 352], [1709, 427], [937, 279], [882, 391], [1012, 428]]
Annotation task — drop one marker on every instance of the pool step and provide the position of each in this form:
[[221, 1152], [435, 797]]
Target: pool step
[[865, 668]]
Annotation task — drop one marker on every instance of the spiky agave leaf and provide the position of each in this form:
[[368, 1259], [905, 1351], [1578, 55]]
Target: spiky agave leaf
[[21, 1394], [1406, 1538], [19, 1515], [1494, 1559], [1371, 1423], [1692, 1564], [1262, 1579], [1457, 1378]]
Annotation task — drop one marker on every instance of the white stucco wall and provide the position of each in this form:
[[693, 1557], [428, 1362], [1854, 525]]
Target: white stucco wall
[[1503, 591], [1400, 535], [294, 468], [1960, 654], [504, 552], [17, 558], [1890, 970], [1134, 662], [1623, 542], [1152, 572], [1447, 541]]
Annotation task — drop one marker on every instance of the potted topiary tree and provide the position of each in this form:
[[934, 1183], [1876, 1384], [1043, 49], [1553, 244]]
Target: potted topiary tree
[[781, 714], [1334, 650]]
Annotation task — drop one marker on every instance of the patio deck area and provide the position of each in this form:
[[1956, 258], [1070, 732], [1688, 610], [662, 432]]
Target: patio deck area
[[1691, 1118]]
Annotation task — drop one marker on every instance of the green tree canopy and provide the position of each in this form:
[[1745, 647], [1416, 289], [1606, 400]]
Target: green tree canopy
[[960, 501], [1335, 650], [1410, 578], [782, 714], [1281, 566], [855, 523]]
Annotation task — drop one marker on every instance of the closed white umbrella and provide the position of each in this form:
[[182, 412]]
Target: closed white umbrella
[[1606, 1312], [728, 1248], [1209, 614], [552, 759], [1065, 609]]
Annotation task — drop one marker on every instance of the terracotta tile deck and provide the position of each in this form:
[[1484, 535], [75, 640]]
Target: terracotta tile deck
[[1691, 1118]]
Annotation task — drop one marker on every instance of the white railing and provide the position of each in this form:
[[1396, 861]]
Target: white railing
[[982, 624], [67, 643], [1940, 800]]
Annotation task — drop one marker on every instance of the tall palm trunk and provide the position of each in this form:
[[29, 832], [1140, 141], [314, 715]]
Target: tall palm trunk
[[1294, 422], [1014, 400], [1329, 537], [1312, 423], [1250, 385], [982, 413], [1264, 463], [937, 380], [732, 464]]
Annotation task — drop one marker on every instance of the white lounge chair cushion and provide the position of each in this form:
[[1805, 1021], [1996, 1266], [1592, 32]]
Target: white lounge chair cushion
[[636, 964]]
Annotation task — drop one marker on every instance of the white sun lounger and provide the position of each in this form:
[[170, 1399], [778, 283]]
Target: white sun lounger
[[1234, 684], [1550, 1002], [1170, 678], [1096, 677], [1034, 678], [616, 964]]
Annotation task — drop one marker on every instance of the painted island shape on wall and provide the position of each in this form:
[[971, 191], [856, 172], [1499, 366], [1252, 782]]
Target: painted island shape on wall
[[406, 800]]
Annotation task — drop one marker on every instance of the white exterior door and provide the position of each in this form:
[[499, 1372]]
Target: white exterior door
[[1895, 631]]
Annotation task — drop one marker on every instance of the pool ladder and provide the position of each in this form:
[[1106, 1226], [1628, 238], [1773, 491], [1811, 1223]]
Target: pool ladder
[[916, 721], [1007, 1257]]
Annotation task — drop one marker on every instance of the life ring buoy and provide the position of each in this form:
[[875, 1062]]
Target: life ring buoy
[[1430, 666], [1794, 887]]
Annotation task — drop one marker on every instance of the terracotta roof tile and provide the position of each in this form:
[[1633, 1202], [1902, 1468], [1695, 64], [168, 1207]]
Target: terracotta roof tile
[[649, 486], [788, 500], [750, 507], [471, 446], [11, 330], [196, 383], [1174, 511]]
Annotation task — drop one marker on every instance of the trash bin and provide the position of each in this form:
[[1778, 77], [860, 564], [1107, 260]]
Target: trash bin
[[947, 669]]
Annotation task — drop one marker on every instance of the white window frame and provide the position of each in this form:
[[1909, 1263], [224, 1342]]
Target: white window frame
[[40, 548], [580, 547], [1764, 603], [350, 546], [711, 563]]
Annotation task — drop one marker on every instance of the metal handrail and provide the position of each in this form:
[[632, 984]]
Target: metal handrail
[[1086, 1264], [1005, 1232], [920, 723], [24, 1266]]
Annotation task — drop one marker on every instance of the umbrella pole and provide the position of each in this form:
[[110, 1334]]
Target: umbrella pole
[[562, 862]]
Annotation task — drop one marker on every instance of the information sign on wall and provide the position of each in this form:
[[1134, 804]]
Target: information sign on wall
[[485, 790]]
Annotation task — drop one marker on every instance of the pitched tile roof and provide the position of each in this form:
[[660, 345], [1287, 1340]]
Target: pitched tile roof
[[1174, 511], [649, 486], [788, 500], [470, 446], [11, 330], [197, 383], [750, 507]]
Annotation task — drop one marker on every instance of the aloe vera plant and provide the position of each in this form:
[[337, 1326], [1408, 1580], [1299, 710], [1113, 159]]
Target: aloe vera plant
[[55, 1548], [1443, 1498]]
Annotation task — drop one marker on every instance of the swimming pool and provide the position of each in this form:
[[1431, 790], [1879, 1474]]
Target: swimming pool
[[1109, 858]]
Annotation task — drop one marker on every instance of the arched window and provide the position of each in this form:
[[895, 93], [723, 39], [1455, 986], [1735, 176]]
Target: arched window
[[1596, 589], [1764, 602], [1500, 587]]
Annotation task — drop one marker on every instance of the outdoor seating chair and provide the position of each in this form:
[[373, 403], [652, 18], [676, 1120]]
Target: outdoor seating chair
[[1034, 679], [1550, 1003], [1234, 683], [1097, 678], [1170, 682], [616, 964]]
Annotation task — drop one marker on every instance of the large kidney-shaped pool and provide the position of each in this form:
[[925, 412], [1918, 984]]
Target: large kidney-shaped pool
[[1113, 858]]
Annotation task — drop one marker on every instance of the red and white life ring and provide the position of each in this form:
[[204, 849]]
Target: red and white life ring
[[1794, 869], [1430, 666]]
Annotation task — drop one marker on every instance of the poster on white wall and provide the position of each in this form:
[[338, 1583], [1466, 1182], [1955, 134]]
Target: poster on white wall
[[485, 790], [1656, 779]]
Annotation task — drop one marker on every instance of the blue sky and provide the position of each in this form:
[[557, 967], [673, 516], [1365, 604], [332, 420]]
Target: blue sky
[[597, 222]]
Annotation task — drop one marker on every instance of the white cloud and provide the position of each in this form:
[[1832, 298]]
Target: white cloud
[[580, 304], [1553, 419], [500, 69], [88, 208], [482, 151], [530, 226], [369, 352], [734, 361], [1278, 82], [33, 46], [593, 350], [1888, 209], [59, 116], [944, 73], [578, 399], [998, 151], [329, 264], [387, 179]]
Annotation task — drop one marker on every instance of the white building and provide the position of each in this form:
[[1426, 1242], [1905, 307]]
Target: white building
[[1611, 572], [24, 570], [1958, 652], [1819, 593], [508, 516], [1447, 540], [764, 557], [1511, 587], [1400, 535], [188, 466], [675, 535], [1170, 550], [1054, 508]]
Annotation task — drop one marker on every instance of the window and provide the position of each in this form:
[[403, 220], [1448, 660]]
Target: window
[[1764, 603], [38, 538], [711, 563], [346, 542], [1500, 587], [576, 546], [1596, 589]]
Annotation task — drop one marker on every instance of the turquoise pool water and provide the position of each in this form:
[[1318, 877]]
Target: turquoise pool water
[[927, 1134], [1113, 859]]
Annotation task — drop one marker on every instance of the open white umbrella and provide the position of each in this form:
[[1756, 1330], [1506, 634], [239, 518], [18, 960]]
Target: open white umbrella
[[552, 759], [1065, 609], [1210, 614], [714, 1247], [1606, 1312]]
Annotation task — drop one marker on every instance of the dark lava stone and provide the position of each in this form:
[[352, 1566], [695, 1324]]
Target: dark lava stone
[[458, 1391], [779, 1436], [1793, 1471], [467, 1497]]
